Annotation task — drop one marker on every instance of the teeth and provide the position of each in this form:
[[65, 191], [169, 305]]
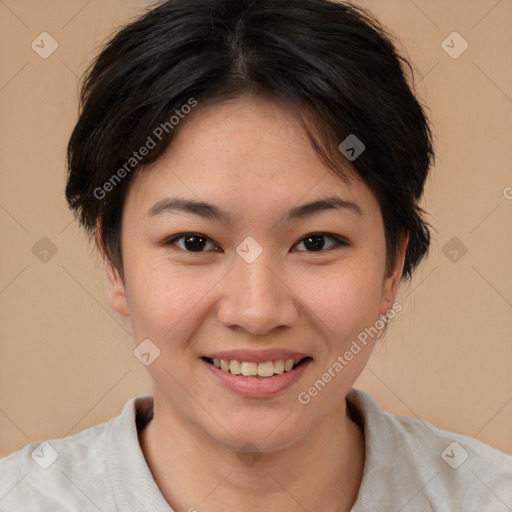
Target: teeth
[[249, 369], [279, 366], [235, 367], [266, 369]]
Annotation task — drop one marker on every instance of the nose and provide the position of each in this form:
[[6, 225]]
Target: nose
[[257, 298]]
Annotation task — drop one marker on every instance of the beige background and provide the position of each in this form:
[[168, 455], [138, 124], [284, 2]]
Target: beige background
[[66, 359]]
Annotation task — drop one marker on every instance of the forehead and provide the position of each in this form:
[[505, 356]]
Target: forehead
[[245, 152]]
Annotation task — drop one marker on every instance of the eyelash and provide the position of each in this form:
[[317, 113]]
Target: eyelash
[[339, 242]]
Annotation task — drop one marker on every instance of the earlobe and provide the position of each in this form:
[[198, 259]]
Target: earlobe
[[115, 289]]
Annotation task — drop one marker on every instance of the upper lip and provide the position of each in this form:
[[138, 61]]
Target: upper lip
[[256, 356]]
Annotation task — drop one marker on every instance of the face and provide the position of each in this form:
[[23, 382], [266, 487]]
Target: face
[[254, 278]]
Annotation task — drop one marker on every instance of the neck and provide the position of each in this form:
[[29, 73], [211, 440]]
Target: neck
[[321, 471]]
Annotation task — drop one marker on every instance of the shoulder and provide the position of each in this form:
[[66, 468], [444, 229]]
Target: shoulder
[[426, 465], [63, 473]]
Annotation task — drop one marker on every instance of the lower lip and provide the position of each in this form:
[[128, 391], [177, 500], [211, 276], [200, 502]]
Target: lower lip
[[254, 387]]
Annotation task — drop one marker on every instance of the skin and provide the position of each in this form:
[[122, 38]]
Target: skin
[[252, 158]]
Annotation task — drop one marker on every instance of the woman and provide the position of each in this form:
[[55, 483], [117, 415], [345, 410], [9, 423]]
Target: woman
[[251, 173]]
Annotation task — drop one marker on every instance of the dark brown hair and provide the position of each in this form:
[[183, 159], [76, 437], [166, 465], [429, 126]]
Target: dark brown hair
[[331, 61]]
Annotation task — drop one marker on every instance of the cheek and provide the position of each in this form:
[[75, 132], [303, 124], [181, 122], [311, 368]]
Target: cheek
[[344, 299], [163, 298]]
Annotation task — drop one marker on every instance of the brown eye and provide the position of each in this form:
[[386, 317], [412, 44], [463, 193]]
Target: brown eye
[[314, 242], [191, 242]]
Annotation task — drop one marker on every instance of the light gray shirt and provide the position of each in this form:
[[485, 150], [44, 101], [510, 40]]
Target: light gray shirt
[[410, 465]]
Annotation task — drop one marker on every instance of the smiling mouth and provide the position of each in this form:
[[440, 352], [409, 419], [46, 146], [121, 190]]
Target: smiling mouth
[[256, 370]]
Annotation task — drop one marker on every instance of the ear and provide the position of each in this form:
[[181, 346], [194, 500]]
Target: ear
[[393, 277], [116, 290]]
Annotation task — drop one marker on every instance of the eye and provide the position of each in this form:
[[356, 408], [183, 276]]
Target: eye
[[314, 241], [196, 242], [192, 242]]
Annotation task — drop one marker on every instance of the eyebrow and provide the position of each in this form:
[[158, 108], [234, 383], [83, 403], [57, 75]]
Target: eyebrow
[[212, 212]]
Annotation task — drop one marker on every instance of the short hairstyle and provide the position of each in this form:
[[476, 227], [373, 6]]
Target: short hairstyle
[[332, 62]]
